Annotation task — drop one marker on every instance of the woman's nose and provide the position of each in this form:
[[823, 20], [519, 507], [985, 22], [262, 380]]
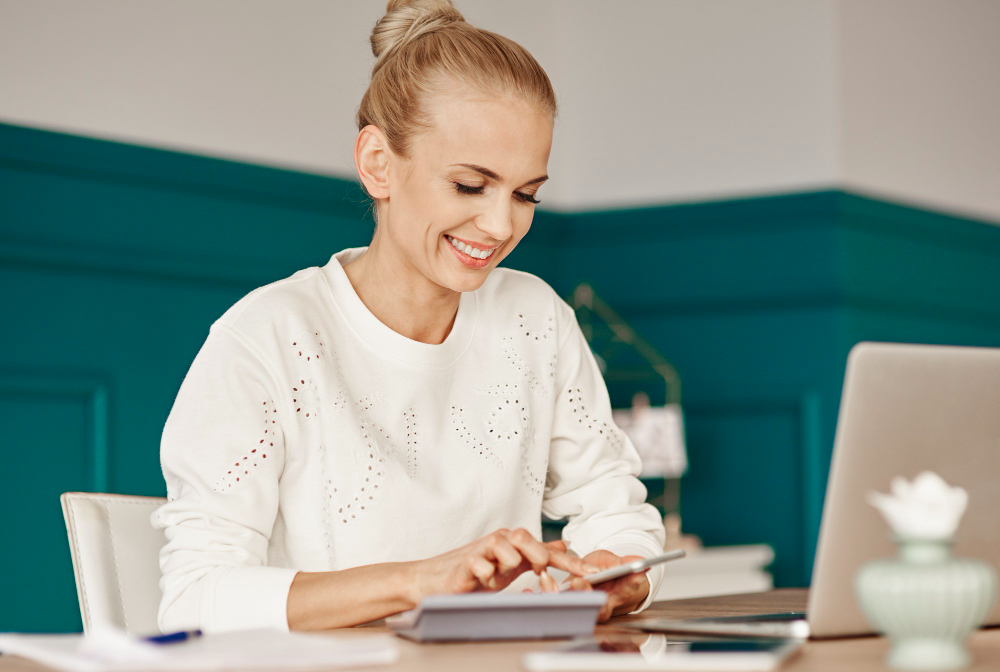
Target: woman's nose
[[496, 221]]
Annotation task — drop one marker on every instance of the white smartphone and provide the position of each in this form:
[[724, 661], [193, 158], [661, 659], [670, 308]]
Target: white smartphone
[[627, 568], [616, 652]]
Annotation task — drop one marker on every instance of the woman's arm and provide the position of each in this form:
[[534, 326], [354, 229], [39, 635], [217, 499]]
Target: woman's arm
[[593, 469], [321, 600], [222, 454]]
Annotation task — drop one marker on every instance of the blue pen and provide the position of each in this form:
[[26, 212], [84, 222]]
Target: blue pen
[[173, 637]]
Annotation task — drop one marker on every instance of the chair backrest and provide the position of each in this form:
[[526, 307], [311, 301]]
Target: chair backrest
[[115, 553]]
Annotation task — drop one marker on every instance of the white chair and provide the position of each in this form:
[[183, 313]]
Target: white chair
[[115, 553]]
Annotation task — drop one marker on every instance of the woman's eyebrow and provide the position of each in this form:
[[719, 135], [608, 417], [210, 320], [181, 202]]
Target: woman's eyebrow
[[493, 176]]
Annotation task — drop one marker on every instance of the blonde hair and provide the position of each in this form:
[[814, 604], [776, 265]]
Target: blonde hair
[[421, 44]]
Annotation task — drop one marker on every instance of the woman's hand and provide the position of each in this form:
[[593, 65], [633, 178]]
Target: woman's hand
[[346, 597], [624, 594], [491, 563]]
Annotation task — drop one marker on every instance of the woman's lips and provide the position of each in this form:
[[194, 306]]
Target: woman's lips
[[467, 261]]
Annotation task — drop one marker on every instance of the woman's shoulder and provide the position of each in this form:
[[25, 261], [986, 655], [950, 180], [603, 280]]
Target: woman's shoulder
[[515, 293], [506, 285], [299, 292]]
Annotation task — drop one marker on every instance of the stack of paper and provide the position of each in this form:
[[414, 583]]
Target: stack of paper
[[718, 570], [247, 649]]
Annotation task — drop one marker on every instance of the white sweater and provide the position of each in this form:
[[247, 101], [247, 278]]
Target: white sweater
[[309, 436]]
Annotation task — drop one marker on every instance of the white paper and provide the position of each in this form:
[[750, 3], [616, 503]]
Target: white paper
[[244, 649]]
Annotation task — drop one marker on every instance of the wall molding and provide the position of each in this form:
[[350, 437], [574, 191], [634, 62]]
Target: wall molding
[[814, 468], [846, 234], [51, 152], [805, 410], [772, 213], [93, 391], [63, 258]]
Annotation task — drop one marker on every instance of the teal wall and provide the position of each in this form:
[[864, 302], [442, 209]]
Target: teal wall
[[757, 302], [115, 259]]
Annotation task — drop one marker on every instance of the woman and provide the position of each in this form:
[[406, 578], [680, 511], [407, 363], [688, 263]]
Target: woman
[[394, 423]]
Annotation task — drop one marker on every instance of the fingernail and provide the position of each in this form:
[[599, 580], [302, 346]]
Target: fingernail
[[590, 569], [547, 583]]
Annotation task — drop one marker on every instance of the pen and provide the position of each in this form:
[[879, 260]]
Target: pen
[[173, 637]]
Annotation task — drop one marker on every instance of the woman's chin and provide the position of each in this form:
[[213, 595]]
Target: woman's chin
[[464, 282]]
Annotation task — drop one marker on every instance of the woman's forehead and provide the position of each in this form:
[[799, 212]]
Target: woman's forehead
[[512, 137]]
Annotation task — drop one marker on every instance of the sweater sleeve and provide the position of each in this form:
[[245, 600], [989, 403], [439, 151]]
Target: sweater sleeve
[[593, 466], [222, 453]]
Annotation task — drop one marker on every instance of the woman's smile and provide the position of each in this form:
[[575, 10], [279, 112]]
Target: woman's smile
[[470, 256]]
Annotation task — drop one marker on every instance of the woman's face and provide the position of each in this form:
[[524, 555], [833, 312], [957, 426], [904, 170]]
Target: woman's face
[[470, 179]]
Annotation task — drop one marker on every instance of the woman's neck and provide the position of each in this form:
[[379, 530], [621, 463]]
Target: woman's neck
[[402, 298]]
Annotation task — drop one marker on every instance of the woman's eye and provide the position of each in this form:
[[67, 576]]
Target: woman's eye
[[478, 191]]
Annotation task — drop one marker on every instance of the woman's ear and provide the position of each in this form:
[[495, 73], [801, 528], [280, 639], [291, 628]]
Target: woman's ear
[[371, 156]]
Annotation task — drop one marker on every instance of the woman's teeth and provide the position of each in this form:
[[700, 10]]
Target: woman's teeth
[[469, 250]]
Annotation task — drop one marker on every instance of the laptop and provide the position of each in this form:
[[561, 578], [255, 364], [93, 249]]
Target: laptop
[[905, 409]]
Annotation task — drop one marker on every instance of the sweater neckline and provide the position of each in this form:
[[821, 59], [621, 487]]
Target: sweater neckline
[[391, 344]]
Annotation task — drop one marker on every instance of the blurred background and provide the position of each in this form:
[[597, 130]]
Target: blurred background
[[753, 186]]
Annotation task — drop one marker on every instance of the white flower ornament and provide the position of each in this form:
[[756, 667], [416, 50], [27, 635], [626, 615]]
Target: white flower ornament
[[927, 508]]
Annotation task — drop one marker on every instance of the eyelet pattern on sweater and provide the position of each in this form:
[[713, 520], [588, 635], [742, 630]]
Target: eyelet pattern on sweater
[[244, 466]]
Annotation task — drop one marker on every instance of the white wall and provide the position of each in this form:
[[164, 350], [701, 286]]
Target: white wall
[[678, 100], [661, 100], [267, 81], [675, 100], [920, 81]]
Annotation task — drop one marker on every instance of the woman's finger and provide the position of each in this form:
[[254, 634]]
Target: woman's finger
[[632, 584], [615, 595], [500, 549], [482, 569], [534, 551], [625, 593], [569, 563]]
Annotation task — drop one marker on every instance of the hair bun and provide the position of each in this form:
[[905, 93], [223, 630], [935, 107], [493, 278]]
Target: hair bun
[[406, 20]]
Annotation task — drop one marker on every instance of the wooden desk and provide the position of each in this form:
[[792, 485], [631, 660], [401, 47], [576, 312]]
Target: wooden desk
[[847, 655]]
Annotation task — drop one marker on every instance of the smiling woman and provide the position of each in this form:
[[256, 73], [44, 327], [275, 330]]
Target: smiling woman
[[470, 174], [393, 424]]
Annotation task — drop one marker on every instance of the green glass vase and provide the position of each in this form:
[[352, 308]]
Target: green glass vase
[[927, 602]]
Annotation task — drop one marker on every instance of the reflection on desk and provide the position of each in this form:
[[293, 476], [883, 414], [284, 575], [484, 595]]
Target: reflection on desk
[[847, 655]]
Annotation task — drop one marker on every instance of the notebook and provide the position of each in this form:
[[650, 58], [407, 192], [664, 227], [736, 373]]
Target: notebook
[[491, 616]]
